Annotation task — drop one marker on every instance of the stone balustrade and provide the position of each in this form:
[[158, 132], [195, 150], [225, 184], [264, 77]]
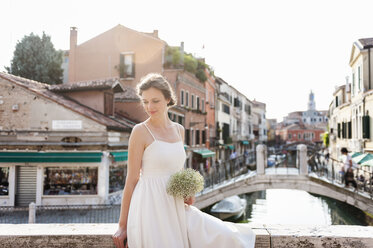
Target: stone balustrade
[[99, 235]]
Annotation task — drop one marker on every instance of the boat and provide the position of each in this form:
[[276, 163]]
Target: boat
[[231, 208]]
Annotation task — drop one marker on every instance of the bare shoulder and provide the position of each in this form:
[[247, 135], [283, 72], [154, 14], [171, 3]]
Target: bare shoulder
[[138, 131]]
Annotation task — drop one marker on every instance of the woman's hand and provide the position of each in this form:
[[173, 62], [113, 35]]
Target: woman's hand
[[120, 238], [190, 200]]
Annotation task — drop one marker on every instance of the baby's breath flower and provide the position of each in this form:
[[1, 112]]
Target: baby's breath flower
[[185, 183]]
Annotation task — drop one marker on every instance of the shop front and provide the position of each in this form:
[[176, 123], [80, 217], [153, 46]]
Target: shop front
[[60, 178]]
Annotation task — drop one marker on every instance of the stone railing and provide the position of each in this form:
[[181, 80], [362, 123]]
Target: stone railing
[[99, 235]]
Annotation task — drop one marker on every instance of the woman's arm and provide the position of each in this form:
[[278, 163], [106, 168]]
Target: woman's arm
[[192, 199], [135, 152]]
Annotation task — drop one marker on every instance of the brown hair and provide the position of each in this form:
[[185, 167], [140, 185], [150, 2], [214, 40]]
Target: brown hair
[[157, 81]]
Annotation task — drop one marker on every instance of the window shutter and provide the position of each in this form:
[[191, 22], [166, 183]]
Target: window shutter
[[133, 65], [366, 127], [349, 130], [339, 130], [121, 66], [187, 134]]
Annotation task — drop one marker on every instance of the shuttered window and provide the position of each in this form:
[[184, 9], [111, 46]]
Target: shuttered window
[[366, 127]]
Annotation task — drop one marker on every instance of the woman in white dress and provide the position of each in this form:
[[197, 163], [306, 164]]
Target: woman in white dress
[[149, 216]]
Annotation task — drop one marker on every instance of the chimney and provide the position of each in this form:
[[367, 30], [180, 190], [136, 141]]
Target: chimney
[[182, 53], [155, 33], [72, 53]]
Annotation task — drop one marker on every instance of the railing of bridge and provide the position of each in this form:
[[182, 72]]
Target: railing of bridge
[[331, 169], [231, 169], [99, 213]]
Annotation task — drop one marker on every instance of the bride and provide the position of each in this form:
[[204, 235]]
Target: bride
[[149, 216]]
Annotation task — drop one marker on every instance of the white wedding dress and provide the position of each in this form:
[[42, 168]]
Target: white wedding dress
[[159, 220]]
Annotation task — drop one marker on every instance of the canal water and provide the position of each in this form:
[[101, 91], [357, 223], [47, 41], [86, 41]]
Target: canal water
[[295, 207]]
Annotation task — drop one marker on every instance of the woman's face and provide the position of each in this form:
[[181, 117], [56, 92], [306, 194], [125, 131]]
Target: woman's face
[[154, 102]]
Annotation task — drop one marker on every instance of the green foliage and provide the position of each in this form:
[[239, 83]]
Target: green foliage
[[325, 137], [190, 63], [36, 58]]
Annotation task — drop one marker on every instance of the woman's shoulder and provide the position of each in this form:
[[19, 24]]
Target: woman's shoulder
[[138, 129]]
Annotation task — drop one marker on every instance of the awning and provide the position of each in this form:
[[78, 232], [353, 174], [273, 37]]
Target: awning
[[231, 147], [185, 147], [50, 157], [367, 163], [358, 158], [367, 158], [120, 156], [355, 154], [205, 153], [245, 142]]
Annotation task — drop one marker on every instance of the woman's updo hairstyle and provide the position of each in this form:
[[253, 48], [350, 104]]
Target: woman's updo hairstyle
[[157, 81]]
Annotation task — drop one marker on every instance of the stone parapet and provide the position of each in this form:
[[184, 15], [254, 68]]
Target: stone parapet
[[99, 235]]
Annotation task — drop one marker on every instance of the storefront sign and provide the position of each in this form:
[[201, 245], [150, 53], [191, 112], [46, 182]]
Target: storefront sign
[[66, 125]]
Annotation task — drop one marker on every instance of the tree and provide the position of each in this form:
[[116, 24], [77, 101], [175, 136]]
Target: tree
[[35, 58]]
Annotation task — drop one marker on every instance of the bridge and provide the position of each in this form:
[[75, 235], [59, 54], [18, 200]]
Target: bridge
[[323, 181]]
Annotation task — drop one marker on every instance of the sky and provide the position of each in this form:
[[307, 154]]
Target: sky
[[273, 51]]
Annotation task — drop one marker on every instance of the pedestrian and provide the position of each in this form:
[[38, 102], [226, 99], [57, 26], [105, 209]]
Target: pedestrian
[[347, 163], [349, 178]]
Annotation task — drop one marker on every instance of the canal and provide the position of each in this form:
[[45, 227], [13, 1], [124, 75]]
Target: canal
[[295, 207]]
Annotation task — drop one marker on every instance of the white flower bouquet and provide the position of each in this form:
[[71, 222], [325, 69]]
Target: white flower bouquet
[[185, 183]]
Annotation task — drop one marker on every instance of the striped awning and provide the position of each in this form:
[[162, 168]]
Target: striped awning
[[119, 156], [205, 153], [50, 157]]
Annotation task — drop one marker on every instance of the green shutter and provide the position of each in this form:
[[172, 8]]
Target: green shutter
[[366, 127], [339, 130], [349, 130]]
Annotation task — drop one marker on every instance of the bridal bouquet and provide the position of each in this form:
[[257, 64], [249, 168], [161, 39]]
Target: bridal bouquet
[[185, 183]]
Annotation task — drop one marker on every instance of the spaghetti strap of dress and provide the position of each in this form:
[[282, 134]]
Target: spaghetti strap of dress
[[178, 129], [149, 131]]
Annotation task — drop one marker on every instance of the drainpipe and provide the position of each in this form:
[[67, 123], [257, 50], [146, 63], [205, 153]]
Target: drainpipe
[[369, 71]]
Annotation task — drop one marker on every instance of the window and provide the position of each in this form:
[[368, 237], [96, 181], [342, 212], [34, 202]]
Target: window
[[192, 101], [182, 97], [203, 105], [127, 65], [187, 137], [108, 103], [204, 136], [299, 136], [117, 177], [197, 98], [4, 180], [289, 136], [187, 99], [225, 108], [197, 137], [70, 181]]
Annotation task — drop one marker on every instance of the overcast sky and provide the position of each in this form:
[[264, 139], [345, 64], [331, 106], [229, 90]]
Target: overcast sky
[[273, 51]]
